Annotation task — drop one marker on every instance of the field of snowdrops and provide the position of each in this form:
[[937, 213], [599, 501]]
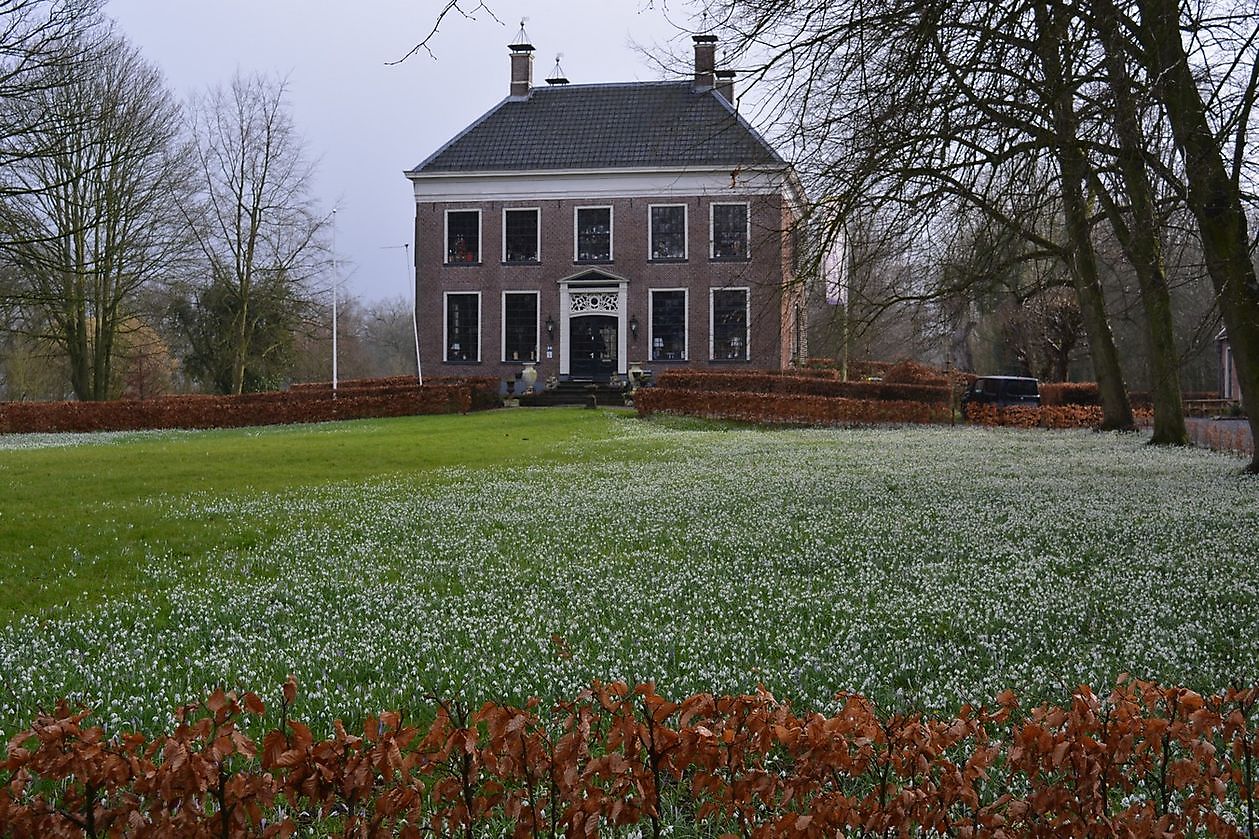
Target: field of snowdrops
[[921, 566]]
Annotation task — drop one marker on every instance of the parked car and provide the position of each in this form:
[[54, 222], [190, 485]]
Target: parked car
[[1003, 392]]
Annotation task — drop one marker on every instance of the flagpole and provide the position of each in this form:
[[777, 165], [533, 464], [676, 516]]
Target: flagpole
[[334, 301], [415, 320]]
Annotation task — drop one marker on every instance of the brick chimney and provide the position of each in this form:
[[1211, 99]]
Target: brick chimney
[[521, 65], [725, 84], [705, 61]]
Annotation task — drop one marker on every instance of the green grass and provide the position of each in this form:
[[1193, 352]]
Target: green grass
[[77, 521], [519, 553]]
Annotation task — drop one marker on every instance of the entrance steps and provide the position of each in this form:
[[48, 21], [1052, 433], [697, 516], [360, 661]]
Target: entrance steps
[[577, 393]]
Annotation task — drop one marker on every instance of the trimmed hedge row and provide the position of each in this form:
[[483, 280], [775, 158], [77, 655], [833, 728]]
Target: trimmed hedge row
[[1046, 416], [484, 388], [785, 409], [1144, 760], [269, 408], [801, 385], [1086, 393]]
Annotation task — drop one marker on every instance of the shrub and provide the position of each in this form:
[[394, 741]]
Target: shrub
[[800, 385], [913, 373], [1045, 416], [1144, 760], [304, 404], [782, 409]]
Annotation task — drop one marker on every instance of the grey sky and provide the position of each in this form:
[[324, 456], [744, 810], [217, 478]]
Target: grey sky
[[365, 122]]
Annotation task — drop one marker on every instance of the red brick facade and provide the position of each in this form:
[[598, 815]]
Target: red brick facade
[[775, 301]]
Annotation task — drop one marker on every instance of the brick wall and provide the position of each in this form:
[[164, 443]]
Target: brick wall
[[763, 275]]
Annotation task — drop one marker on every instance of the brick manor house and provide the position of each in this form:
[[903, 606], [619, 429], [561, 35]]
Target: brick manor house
[[586, 227]]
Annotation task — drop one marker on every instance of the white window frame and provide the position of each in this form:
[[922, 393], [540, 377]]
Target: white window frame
[[611, 231], [747, 322], [686, 324], [537, 246], [480, 323], [712, 229], [537, 326], [480, 234], [686, 233]]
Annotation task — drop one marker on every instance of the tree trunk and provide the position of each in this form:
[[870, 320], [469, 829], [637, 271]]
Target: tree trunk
[[1116, 410], [1214, 197], [1141, 242]]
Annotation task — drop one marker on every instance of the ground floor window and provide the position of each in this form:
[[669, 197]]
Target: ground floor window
[[520, 326], [668, 325], [463, 326], [729, 312]]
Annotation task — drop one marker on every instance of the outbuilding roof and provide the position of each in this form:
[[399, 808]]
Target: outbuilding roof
[[605, 126]]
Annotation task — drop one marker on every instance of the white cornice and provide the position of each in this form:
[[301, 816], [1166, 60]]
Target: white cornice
[[600, 183]]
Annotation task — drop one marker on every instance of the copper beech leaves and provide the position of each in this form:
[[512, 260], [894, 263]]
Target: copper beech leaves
[[359, 399], [1143, 760]]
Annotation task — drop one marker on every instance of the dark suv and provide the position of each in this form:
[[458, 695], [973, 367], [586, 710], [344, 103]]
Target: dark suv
[[1002, 391]]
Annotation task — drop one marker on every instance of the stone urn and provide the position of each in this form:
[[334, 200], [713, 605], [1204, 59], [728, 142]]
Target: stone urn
[[635, 375], [529, 376]]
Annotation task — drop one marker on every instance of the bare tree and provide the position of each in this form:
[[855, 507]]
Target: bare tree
[[1205, 63], [253, 216], [90, 219], [42, 42]]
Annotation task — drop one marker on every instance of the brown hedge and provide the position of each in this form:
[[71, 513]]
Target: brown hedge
[[783, 409], [1046, 416], [800, 385], [270, 408], [1144, 760]]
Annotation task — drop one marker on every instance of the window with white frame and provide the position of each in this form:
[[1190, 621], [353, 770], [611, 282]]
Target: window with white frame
[[520, 236], [463, 237], [729, 324], [729, 231], [593, 234], [520, 326], [668, 325], [668, 231], [463, 326]]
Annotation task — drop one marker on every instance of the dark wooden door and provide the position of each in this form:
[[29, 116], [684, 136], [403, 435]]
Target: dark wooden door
[[593, 342]]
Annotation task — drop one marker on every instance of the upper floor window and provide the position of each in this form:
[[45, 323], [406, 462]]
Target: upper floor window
[[520, 326], [729, 313], [463, 237], [520, 235], [463, 326], [668, 231], [594, 234], [729, 231]]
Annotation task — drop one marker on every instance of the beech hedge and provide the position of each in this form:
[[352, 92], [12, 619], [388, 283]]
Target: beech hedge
[[298, 405], [1142, 760], [785, 409], [1046, 416], [801, 385]]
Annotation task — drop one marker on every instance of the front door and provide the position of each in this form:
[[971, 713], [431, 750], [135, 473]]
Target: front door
[[593, 344]]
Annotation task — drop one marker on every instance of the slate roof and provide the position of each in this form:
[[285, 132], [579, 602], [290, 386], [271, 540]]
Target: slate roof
[[600, 126]]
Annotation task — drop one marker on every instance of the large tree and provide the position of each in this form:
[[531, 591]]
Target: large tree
[[1204, 61], [253, 216], [88, 219]]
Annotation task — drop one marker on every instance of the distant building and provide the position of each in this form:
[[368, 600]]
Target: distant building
[[585, 227], [1229, 386]]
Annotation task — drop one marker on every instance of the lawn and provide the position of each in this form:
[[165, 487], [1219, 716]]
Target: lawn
[[381, 560]]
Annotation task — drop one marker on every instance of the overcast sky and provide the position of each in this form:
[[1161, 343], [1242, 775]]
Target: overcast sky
[[364, 122]]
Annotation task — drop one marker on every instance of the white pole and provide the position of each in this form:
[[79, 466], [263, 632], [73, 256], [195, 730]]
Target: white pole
[[334, 301], [415, 319]]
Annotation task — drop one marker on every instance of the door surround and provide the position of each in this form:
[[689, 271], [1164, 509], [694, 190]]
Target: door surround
[[593, 292]]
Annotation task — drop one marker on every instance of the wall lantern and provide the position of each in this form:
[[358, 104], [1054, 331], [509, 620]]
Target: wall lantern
[[633, 324], [550, 326]]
